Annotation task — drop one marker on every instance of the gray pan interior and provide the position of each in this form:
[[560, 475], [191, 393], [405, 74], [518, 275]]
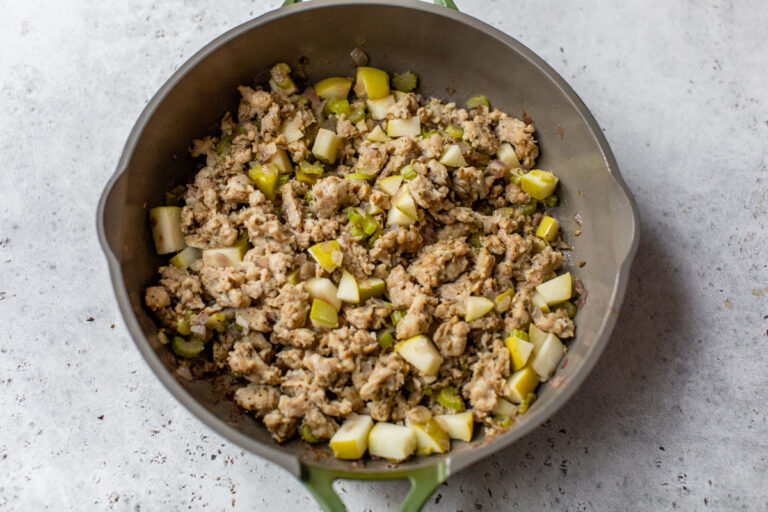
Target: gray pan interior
[[456, 57]]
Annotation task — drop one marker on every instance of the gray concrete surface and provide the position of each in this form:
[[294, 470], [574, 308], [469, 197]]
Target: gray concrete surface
[[674, 415]]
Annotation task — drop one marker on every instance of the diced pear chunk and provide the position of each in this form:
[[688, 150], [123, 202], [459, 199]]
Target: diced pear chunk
[[519, 349], [377, 135], [323, 288], [379, 108], [371, 287], [538, 184], [557, 290], [430, 437], [333, 87], [372, 83], [392, 442], [326, 145], [225, 256], [396, 217], [291, 130], [327, 254], [265, 177], [504, 408], [323, 314], [503, 301], [538, 301], [453, 157], [536, 336], [281, 161], [421, 353], [547, 357], [186, 257], [165, 222], [404, 127], [477, 307], [348, 289], [459, 425], [390, 184], [548, 228], [506, 153], [404, 202], [351, 440], [520, 383]]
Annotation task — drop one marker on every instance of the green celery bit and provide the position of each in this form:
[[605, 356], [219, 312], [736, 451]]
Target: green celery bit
[[526, 403], [336, 106], [354, 215], [476, 101], [174, 197], [307, 435], [528, 208], [236, 375], [569, 307], [187, 348], [357, 114], [385, 339], [370, 225], [218, 321], [474, 240], [293, 277], [240, 130], [449, 397], [223, 144], [357, 233], [405, 82], [398, 315], [455, 131], [282, 179], [183, 325], [427, 390], [426, 135], [408, 172], [280, 74], [372, 240], [306, 178], [503, 421], [551, 200], [359, 176], [517, 333], [308, 168]]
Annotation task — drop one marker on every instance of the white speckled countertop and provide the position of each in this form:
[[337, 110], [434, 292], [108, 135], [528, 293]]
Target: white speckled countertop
[[673, 416]]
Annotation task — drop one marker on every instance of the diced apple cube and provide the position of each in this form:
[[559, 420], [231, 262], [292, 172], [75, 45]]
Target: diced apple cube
[[392, 442], [421, 353], [538, 301], [506, 153], [326, 145], [348, 289], [371, 287], [504, 408], [404, 127], [404, 202], [291, 130], [538, 184], [459, 425], [333, 87], [351, 440], [377, 135], [322, 288], [165, 222], [503, 301], [372, 83], [281, 161], [547, 228], [547, 357], [186, 257], [520, 383], [379, 108], [519, 350], [536, 336], [390, 184], [327, 254], [224, 256], [323, 315], [477, 307], [557, 290], [396, 217], [430, 437], [453, 157]]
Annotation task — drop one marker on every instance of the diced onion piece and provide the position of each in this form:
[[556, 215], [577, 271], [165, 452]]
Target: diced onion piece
[[333, 87], [326, 145], [459, 426], [322, 288], [557, 290], [503, 301], [165, 222], [392, 442], [421, 353], [404, 127], [350, 442], [453, 157], [379, 108]]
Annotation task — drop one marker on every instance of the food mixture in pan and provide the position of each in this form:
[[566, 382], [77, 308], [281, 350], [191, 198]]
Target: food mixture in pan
[[373, 268]]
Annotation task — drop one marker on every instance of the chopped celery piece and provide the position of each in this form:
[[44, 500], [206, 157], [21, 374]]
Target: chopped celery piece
[[405, 82], [372, 287], [334, 87], [506, 153], [449, 397], [548, 228], [293, 277], [357, 233], [552, 200], [326, 145], [223, 145], [327, 254], [336, 106], [357, 114], [421, 353], [538, 184], [186, 257], [430, 133], [557, 290], [165, 222], [265, 177], [526, 403], [399, 95], [477, 307], [187, 348], [520, 383], [350, 442], [355, 215], [503, 421], [183, 324], [408, 173], [372, 83], [281, 78], [398, 315], [504, 300], [519, 334], [218, 322], [474, 240], [308, 168], [520, 349], [513, 176], [370, 225], [373, 238], [390, 184], [306, 178], [459, 425], [377, 135], [307, 435], [379, 108], [374, 209], [348, 289], [476, 101], [281, 161], [392, 442], [528, 208], [453, 157], [569, 307], [359, 176], [430, 437], [404, 202], [455, 131], [322, 288], [323, 314], [385, 339], [404, 127]]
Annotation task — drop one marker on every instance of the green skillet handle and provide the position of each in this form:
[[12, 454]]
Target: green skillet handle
[[445, 3], [424, 481]]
